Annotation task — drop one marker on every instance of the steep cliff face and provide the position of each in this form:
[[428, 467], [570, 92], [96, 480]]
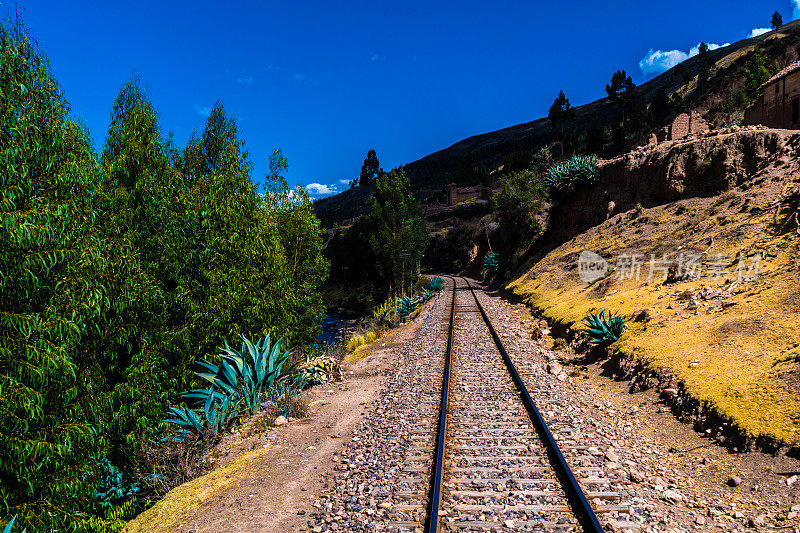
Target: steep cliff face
[[699, 167]]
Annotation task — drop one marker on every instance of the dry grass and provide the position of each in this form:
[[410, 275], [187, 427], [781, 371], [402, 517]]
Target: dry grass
[[170, 512], [741, 357]]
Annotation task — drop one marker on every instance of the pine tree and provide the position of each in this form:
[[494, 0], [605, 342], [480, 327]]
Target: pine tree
[[370, 170], [777, 20], [621, 91]]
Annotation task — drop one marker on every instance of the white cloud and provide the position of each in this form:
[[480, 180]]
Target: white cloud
[[795, 9], [345, 182], [758, 31], [203, 111], [245, 80], [300, 77], [375, 57], [658, 61], [318, 189]]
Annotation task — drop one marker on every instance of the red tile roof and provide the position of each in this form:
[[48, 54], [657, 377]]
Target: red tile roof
[[783, 73]]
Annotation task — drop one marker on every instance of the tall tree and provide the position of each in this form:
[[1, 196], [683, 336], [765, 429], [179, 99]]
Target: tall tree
[[370, 170], [150, 221], [777, 20], [49, 446], [621, 91], [399, 235], [660, 107], [560, 113]]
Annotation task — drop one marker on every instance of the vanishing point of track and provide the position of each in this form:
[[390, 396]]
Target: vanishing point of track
[[494, 464]]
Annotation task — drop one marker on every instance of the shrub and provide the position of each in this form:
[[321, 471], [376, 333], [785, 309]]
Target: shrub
[[239, 383], [370, 337], [567, 175], [354, 342], [604, 328], [318, 371], [490, 261]]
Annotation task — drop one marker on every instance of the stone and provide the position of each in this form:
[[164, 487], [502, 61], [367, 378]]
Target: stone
[[734, 481], [672, 496], [281, 421], [792, 480], [700, 520], [612, 456], [669, 393], [758, 521]]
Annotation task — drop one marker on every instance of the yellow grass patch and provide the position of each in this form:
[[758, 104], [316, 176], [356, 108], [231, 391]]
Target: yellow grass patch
[[170, 512], [738, 352]]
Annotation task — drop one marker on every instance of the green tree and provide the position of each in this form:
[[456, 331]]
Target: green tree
[[703, 52], [398, 232], [777, 20], [621, 91], [370, 170], [757, 72], [516, 205], [561, 111], [49, 444], [151, 224]]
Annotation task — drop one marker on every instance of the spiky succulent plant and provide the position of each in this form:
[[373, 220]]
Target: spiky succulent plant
[[435, 284], [490, 261], [575, 171], [604, 328]]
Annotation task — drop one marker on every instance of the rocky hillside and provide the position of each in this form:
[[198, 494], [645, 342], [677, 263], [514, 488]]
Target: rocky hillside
[[701, 256], [726, 73], [490, 150]]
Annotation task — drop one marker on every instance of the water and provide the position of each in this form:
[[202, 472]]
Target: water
[[336, 324]]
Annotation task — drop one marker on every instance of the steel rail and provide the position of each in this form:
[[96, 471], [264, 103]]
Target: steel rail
[[436, 480], [580, 505]]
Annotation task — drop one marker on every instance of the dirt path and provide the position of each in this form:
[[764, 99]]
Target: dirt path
[[268, 480]]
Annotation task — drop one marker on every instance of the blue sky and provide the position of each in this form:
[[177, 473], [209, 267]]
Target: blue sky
[[326, 81]]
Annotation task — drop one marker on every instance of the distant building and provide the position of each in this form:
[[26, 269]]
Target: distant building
[[779, 104]]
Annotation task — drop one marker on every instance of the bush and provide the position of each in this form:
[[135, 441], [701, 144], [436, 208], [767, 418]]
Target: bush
[[603, 329], [354, 342], [579, 170]]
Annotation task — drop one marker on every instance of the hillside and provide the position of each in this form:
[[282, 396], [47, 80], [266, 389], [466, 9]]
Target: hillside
[[490, 150], [705, 273]]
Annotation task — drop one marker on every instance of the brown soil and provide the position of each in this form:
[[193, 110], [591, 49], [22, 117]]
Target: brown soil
[[275, 490]]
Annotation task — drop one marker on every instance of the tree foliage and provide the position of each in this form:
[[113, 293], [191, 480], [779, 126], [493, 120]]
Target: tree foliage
[[370, 170], [777, 20], [398, 234], [561, 111], [117, 274]]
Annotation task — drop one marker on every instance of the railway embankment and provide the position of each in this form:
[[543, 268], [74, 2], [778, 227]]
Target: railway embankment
[[696, 245]]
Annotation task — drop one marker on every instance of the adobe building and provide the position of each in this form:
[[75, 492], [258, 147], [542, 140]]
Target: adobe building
[[779, 105]]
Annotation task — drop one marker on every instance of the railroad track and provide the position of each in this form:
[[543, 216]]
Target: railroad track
[[482, 457]]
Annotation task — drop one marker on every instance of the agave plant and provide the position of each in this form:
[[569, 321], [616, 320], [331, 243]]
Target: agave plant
[[435, 284], [490, 261], [405, 306], [237, 384], [566, 175], [318, 371], [218, 411], [604, 328]]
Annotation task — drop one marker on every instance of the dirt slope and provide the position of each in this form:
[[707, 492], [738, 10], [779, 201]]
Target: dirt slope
[[724, 323]]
